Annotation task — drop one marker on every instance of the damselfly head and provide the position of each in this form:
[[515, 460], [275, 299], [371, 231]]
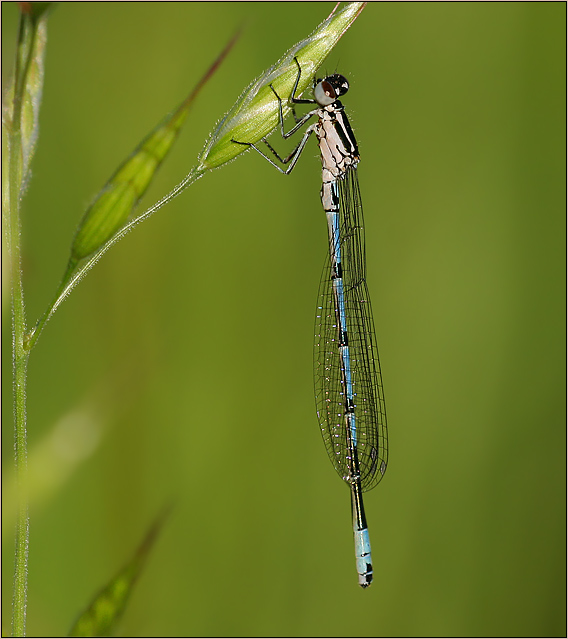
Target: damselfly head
[[328, 90]]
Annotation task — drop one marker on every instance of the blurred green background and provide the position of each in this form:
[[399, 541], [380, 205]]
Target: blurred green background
[[182, 366]]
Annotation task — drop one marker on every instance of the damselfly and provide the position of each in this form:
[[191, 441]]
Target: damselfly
[[349, 393]]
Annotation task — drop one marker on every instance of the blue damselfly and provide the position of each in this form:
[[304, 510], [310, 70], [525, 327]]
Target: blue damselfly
[[349, 393]]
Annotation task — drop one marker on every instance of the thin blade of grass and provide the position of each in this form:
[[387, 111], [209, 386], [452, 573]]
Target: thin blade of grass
[[102, 615], [110, 217], [115, 203]]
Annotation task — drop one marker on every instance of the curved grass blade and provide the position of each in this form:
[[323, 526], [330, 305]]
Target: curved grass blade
[[109, 217], [115, 203], [255, 114], [104, 612]]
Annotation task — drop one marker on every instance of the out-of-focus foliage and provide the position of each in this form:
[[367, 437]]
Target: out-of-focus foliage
[[195, 332]]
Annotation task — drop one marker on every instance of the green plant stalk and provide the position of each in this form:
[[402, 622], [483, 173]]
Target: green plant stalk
[[20, 353], [22, 522], [75, 273]]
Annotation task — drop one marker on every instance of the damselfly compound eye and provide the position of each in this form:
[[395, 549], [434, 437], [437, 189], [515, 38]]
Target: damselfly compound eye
[[324, 93], [329, 89]]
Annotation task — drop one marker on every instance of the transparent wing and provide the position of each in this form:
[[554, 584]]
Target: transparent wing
[[330, 389]]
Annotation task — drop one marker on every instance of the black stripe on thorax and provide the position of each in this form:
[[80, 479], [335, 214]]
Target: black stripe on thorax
[[344, 130]]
